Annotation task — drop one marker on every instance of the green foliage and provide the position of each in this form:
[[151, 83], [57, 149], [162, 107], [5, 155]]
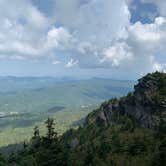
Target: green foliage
[[3, 162], [36, 134], [51, 134], [160, 79], [64, 121], [123, 143], [128, 124]]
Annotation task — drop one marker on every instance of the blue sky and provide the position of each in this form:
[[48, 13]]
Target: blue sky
[[120, 39]]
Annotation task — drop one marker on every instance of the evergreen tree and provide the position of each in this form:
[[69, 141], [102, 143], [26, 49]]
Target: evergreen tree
[[36, 140], [51, 134], [36, 133]]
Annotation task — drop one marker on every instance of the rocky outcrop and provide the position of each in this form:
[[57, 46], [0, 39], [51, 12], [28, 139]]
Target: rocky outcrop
[[147, 104]]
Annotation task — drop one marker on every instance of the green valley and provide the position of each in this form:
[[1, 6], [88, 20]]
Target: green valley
[[25, 102]]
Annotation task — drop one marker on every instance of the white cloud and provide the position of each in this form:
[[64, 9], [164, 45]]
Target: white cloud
[[71, 63], [94, 26], [94, 22], [148, 37], [146, 41], [58, 38], [27, 32], [117, 54], [21, 24], [94, 33], [88, 27], [137, 51], [157, 67], [56, 62], [151, 36]]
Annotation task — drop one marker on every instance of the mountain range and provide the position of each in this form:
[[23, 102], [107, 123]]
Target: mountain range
[[125, 131]]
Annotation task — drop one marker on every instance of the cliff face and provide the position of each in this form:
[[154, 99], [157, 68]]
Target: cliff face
[[147, 104]]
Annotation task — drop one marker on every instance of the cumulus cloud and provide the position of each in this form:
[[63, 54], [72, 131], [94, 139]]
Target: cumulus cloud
[[151, 36], [95, 21], [117, 54], [86, 28], [58, 38], [94, 26], [106, 38], [147, 40], [139, 49], [55, 62], [71, 63], [94, 33], [27, 32]]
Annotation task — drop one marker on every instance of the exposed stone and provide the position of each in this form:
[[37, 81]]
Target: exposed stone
[[139, 105]]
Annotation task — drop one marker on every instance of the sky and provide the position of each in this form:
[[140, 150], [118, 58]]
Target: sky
[[122, 39]]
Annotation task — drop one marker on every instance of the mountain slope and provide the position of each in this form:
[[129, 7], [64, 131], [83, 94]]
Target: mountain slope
[[147, 104], [130, 131]]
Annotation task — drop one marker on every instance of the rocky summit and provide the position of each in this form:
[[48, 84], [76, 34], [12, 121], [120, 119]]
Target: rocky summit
[[147, 104]]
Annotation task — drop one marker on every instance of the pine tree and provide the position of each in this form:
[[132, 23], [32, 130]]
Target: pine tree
[[36, 139], [36, 133], [51, 134]]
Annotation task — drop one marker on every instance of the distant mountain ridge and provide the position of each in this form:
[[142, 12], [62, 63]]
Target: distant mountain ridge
[[12, 83]]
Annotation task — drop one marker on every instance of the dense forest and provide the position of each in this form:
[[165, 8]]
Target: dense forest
[[129, 131]]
